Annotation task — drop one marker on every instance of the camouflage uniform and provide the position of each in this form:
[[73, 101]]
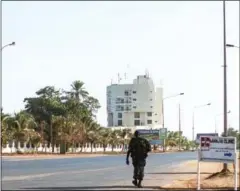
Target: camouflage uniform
[[139, 156]]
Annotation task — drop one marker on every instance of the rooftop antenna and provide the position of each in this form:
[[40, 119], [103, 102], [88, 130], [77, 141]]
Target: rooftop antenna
[[147, 73], [119, 78]]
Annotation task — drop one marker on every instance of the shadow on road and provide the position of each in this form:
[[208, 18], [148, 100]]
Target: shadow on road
[[177, 173], [126, 187]]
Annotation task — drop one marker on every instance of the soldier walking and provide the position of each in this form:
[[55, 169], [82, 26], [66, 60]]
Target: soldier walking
[[138, 148]]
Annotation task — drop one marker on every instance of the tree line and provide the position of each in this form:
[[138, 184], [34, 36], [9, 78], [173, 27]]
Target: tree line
[[54, 116], [57, 115]]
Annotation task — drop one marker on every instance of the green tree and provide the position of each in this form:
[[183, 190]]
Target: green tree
[[24, 128], [231, 132], [6, 125], [47, 104], [114, 138], [78, 91], [105, 137]]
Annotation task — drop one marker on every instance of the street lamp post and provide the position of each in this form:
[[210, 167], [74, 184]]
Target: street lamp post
[[216, 119], [231, 46], [163, 123], [179, 127], [10, 44], [225, 168], [193, 118]]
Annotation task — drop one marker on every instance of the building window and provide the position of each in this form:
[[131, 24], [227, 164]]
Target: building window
[[134, 99], [126, 93], [150, 99], [150, 91], [155, 121], [128, 100], [118, 100], [134, 107], [136, 115], [149, 114], [136, 122], [120, 115], [149, 122], [119, 108], [128, 108], [134, 92], [151, 106], [119, 122]]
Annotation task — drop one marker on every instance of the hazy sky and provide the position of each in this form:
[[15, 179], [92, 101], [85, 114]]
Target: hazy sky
[[180, 43]]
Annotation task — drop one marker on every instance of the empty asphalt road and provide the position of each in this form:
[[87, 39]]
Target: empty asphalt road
[[107, 172]]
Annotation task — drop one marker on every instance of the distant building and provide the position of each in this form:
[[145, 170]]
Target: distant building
[[136, 104]]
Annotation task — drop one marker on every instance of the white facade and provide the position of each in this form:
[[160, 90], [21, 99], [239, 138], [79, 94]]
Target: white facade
[[136, 104]]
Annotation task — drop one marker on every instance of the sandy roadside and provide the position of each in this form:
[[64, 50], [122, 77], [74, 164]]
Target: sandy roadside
[[186, 176]]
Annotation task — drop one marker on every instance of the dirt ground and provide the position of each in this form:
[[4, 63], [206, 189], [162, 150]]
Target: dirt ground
[[188, 177]]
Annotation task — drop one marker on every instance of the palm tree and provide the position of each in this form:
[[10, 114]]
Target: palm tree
[[6, 125], [78, 91], [58, 125], [124, 136], [105, 137], [185, 143], [114, 138], [24, 124], [173, 139], [93, 134]]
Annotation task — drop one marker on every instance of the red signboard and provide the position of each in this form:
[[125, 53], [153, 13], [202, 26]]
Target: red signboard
[[205, 143]]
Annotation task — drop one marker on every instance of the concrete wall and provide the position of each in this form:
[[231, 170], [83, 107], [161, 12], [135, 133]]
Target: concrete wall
[[44, 148]]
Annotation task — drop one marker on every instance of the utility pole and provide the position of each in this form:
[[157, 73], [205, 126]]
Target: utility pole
[[179, 116], [51, 133], [193, 128], [193, 120], [225, 167], [163, 125]]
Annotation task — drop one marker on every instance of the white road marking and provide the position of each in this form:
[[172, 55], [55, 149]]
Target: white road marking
[[32, 176]]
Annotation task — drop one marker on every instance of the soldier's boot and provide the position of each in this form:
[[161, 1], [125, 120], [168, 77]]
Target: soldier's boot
[[139, 185], [135, 182]]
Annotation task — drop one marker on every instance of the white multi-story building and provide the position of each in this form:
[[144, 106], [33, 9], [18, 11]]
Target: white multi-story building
[[136, 104]]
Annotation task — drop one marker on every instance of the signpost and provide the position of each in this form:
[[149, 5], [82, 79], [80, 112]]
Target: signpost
[[205, 135], [153, 136], [217, 149], [163, 133]]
